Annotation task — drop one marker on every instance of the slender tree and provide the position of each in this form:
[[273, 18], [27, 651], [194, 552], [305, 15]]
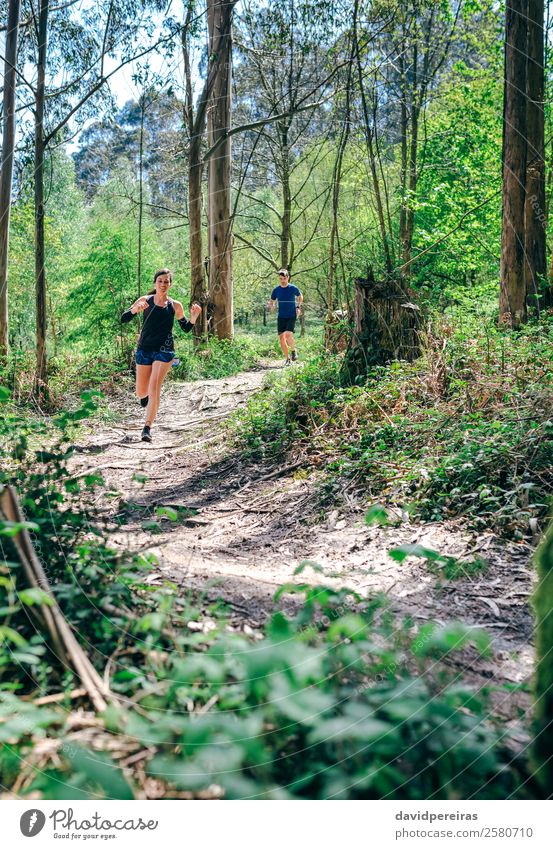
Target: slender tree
[[534, 210], [219, 14], [8, 144], [512, 295], [195, 119], [337, 171], [286, 70], [40, 252], [424, 44]]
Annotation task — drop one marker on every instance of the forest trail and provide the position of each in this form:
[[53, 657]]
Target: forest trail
[[243, 529]]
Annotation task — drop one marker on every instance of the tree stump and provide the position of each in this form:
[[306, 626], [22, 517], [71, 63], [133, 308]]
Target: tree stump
[[386, 325]]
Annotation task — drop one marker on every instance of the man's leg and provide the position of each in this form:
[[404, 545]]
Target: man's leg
[[290, 341], [283, 345]]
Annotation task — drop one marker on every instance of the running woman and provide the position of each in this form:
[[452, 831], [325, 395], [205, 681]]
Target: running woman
[[155, 352], [289, 300]]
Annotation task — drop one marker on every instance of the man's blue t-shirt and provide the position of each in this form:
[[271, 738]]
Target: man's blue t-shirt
[[286, 297]]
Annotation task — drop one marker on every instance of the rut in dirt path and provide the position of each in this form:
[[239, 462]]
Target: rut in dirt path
[[246, 528]]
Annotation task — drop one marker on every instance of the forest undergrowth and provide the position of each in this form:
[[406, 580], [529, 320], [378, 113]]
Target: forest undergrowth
[[340, 699], [466, 430]]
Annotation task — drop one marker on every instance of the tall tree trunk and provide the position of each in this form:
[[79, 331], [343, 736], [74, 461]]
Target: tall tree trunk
[[285, 230], [512, 295], [8, 143], [535, 219], [337, 179], [197, 271], [219, 171], [140, 196], [196, 128], [411, 177], [404, 124], [40, 272]]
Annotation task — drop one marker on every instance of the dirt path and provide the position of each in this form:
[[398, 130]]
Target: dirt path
[[244, 529]]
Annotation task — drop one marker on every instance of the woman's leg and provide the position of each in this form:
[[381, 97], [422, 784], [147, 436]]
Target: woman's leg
[[143, 374], [159, 371]]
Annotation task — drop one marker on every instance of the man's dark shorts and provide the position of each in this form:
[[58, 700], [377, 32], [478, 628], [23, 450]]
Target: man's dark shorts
[[285, 325], [146, 358]]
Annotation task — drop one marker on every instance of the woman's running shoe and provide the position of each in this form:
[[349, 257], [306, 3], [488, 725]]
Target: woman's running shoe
[[146, 435], [144, 401]]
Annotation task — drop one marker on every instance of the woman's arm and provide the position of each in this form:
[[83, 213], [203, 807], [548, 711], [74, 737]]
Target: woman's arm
[[139, 306], [185, 324]]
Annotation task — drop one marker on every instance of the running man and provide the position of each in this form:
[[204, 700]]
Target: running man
[[289, 300], [155, 352]]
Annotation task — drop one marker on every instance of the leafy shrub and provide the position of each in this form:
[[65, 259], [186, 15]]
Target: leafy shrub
[[220, 358], [69, 538], [465, 431], [286, 410], [339, 701]]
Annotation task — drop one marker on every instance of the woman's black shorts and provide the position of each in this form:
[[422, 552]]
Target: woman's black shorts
[[285, 325]]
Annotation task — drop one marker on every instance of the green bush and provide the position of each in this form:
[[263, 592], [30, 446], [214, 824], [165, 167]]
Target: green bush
[[285, 410], [339, 701], [219, 358], [466, 432], [69, 537]]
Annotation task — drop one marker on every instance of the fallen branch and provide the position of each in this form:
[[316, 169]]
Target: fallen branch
[[63, 639]]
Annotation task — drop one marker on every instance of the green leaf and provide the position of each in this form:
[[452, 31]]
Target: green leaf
[[351, 626], [168, 512], [8, 634], [305, 706], [346, 728], [377, 515], [10, 529], [35, 595], [308, 564], [402, 552], [100, 771]]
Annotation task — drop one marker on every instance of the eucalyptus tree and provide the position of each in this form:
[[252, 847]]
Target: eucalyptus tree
[[512, 293], [8, 145], [214, 99], [415, 43], [535, 219], [219, 223], [156, 118]]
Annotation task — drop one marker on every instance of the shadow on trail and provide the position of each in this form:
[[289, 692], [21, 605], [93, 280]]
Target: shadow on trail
[[213, 485]]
